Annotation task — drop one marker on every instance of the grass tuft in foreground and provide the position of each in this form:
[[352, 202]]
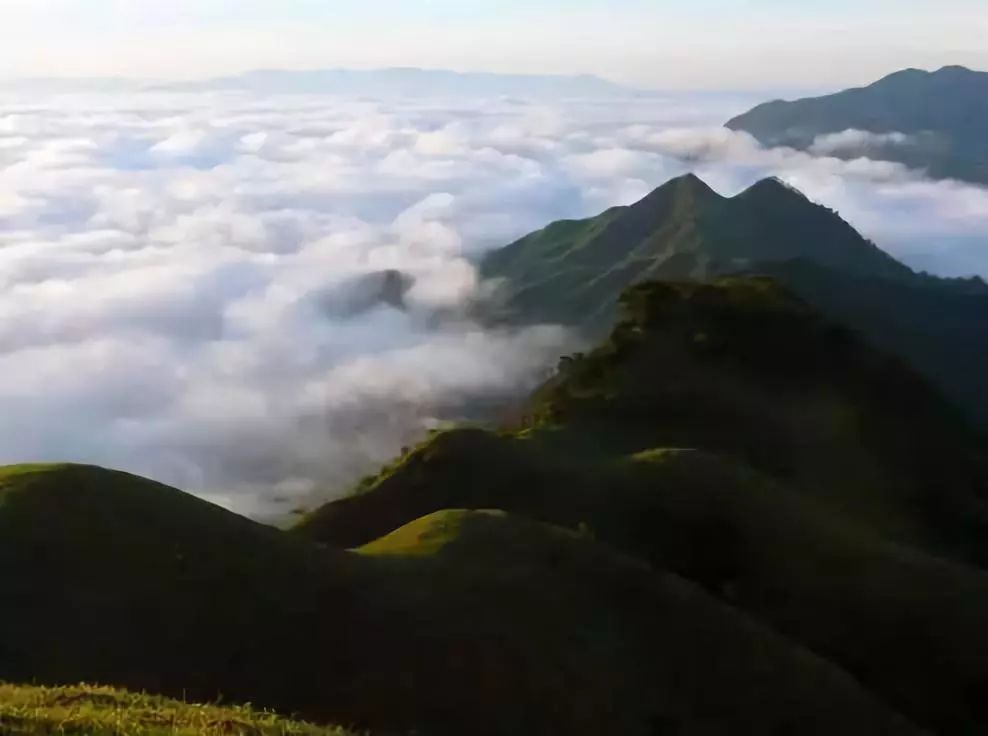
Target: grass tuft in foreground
[[99, 711]]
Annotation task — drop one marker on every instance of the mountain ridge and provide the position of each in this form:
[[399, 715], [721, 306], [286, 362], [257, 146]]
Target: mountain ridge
[[663, 235], [406, 81], [728, 433], [573, 272], [931, 121]]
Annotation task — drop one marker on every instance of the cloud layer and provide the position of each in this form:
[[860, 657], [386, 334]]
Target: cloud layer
[[260, 299]]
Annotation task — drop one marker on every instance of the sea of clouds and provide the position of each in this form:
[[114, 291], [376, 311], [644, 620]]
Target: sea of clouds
[[189, 283]]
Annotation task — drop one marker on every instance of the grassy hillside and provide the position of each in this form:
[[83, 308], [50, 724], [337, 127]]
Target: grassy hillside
[[573, 272], [465, 623], [729, 434], [743, 369], [666, 657], [167, 593], [96, 711], [944, 113]]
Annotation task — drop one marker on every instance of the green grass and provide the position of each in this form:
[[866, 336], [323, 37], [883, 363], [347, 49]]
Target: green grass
[[425, 537], [821, 486], [607, 634], [574, 272], [99, 711], [466, 622]]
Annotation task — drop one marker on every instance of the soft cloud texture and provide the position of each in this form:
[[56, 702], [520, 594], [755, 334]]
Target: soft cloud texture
[[856, 140], [259, 299]]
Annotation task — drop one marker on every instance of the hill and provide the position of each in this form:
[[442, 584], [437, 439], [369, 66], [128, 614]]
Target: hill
[[573, 273], [927, 120], [728, 434], [99, 711], [463, 623]]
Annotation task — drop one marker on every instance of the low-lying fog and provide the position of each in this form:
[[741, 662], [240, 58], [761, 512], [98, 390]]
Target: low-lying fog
[[259, 299]]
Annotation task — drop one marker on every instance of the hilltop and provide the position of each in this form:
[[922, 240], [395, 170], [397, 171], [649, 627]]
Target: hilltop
[[933, 121]]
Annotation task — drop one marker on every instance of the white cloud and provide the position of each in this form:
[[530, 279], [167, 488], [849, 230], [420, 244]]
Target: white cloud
[[187, 283], [852, 141]]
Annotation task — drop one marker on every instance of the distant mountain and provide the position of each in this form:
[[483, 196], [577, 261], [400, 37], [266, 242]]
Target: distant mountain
[[573, 272], [929, 120], [410, 82], [728, 433]]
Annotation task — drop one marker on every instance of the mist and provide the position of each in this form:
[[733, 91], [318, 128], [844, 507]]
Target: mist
[[259, 300]]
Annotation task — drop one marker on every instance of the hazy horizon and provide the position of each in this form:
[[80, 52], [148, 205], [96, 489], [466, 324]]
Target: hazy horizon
[[714, 44]]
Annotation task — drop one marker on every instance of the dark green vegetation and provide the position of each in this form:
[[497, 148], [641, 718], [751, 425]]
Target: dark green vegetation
[[573, 273], [729, 435], [943, 113], [99, 711], [466, 622]]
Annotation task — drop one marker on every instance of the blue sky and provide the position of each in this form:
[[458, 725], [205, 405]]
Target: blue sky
[[656, 43]]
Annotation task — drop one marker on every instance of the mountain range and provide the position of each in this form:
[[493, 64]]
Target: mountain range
[[408, 82], [934, 121], [740, 513], [399, 81], [573, 272]]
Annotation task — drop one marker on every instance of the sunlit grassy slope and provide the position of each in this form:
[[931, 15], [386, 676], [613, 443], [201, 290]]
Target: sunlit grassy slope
[[97, 711]]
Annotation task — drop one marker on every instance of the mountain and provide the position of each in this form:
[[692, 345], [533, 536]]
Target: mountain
[[573, 272], [410, 82], [928, 120], [728, 434], [461, 622]]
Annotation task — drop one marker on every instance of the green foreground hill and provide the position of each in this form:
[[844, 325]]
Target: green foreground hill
[[729, 435], [933, 121], [466, 622]]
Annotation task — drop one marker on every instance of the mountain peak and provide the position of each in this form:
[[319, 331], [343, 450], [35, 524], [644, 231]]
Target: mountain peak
[[690, 182], [685, 190], [908, 76], [954, 69], [572, 272], [772, 186], [911, 72]]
